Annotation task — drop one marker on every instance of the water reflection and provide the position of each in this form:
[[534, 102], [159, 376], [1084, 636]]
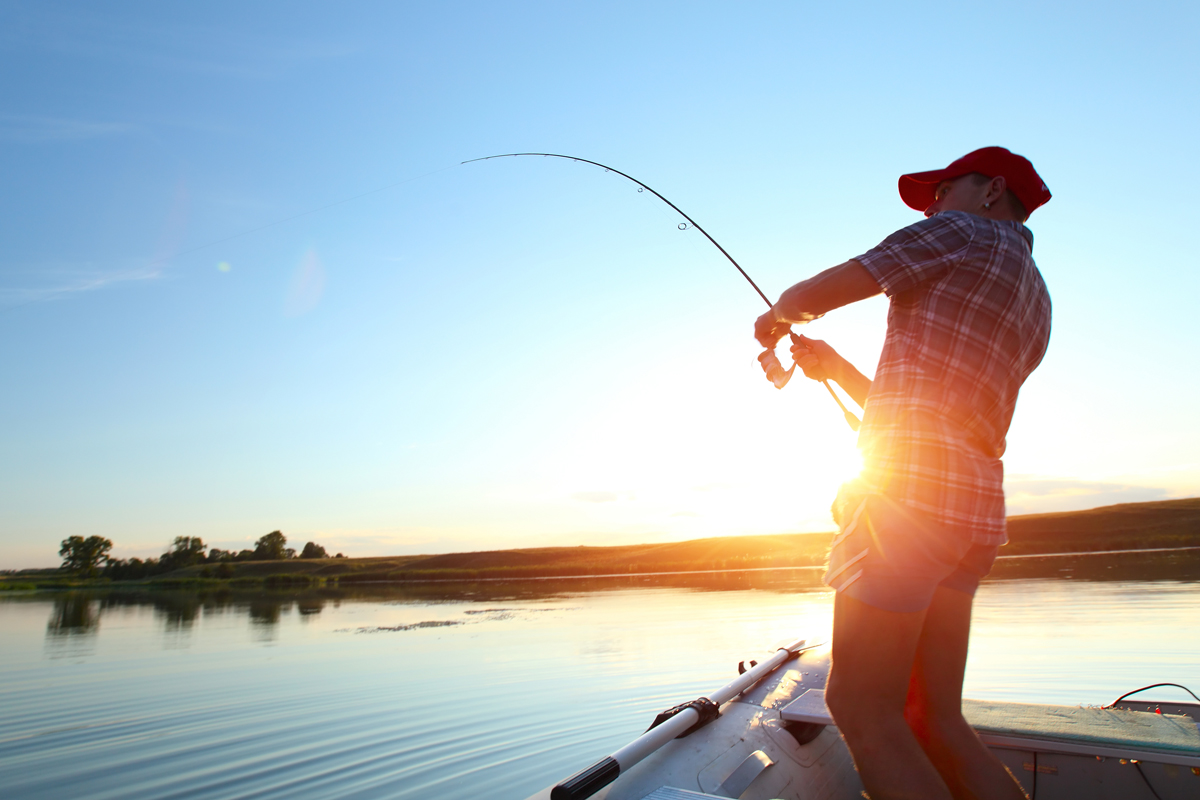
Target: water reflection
[[308, 607], [177, 610], [78, 613], [265, 611], [82, 720], [74, 615]]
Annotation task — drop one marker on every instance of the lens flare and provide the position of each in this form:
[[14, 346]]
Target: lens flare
[[306, 287]]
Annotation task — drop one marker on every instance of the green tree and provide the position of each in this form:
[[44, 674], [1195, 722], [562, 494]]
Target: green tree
[[185, 551], [272, 547], [313, 550], [84, 556], [134, 569]]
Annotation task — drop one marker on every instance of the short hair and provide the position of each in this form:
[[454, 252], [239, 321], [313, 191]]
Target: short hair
[[1015, 204]]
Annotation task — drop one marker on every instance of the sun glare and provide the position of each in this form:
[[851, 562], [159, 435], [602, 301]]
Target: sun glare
[[722, 459]]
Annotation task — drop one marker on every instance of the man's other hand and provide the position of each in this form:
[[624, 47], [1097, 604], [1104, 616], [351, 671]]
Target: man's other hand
[[816, 358]]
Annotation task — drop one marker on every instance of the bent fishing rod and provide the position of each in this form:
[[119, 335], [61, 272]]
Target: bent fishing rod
[[770, 364]]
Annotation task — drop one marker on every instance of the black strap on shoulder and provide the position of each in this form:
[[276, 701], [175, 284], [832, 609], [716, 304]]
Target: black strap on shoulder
[[706, 708]]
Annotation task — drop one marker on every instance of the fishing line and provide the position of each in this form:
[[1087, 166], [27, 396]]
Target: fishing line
[[850, 417]]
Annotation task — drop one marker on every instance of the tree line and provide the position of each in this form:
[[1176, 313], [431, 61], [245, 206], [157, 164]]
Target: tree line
[[89, 558]]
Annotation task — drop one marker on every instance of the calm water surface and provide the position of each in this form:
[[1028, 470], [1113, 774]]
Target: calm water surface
[[479, 690]]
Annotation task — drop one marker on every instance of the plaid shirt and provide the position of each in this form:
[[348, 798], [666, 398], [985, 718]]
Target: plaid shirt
[[969, 320]]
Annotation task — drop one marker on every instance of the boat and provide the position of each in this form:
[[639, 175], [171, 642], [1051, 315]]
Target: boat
[[767, 735]]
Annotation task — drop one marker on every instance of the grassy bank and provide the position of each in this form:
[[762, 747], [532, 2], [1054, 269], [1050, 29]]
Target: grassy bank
[[1130, 526]]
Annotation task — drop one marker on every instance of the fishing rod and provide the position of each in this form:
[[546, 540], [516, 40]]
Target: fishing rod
[[770, 364]]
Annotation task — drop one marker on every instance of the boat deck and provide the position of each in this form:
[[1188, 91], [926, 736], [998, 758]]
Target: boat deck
[[1112, 732]]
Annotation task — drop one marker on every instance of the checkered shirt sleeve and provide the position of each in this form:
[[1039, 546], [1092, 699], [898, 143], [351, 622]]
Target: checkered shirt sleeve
[[968, 321]]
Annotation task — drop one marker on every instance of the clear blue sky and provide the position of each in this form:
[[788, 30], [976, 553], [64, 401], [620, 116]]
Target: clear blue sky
[[528, 351]]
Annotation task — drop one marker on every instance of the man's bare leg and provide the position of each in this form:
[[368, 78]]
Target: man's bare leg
[[934, 708], [873, 654]]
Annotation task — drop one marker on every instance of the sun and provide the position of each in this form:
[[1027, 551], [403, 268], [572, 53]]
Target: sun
[[729, 460]]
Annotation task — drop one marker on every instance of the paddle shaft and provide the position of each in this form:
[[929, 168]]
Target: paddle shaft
[[596, 777]]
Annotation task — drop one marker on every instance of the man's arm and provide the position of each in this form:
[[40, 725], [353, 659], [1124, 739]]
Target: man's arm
[[835, 287]]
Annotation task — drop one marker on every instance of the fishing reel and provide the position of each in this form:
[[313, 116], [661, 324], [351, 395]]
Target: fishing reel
[[778, 376]]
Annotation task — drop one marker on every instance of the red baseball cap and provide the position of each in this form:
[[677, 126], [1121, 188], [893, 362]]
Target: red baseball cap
[[917, 189]]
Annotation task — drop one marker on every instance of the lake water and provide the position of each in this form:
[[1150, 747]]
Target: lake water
[[486, 690]]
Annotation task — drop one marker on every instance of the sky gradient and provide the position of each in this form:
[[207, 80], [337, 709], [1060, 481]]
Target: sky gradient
[[246, 284]]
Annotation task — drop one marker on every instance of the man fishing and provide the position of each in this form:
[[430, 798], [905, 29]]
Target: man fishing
[[968, 321]]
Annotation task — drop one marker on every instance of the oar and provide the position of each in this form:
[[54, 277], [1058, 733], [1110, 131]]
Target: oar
[[681, 720]]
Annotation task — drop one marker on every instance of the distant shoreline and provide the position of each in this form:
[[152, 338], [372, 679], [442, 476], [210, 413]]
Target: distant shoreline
[[1023, 556], [1007, 567], [1170, 526]]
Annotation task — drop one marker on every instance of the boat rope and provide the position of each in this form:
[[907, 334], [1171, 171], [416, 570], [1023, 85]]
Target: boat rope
[[1135, 761], [851, 419], [1146, 780], [1152, 686]]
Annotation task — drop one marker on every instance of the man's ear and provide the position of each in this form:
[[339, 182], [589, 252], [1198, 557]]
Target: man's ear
[[996, 190]]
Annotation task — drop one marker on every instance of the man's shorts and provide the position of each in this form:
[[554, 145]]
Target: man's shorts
[[892, 558]]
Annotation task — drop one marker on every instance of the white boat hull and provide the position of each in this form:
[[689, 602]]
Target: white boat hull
[[753, 751]]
